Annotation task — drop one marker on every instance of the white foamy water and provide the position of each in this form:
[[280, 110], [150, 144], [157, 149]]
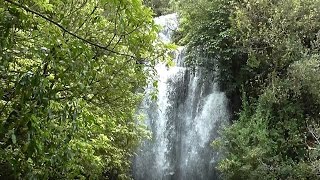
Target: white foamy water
[[183, 120]]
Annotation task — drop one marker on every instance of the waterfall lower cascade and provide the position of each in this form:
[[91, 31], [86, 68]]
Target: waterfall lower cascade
[[184, 120]]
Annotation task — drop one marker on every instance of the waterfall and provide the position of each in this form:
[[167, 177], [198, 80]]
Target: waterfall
[[183, 120]]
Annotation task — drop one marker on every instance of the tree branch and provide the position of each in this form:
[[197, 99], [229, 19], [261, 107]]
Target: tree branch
[[67, 31], [89, 17], [314, 136]]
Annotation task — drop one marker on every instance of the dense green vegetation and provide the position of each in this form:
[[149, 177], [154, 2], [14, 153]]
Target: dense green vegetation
[[70, 73], [159, 7], [267, 54]]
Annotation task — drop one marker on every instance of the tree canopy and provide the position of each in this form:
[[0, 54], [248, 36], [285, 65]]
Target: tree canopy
[[267, 55], [70, 76]]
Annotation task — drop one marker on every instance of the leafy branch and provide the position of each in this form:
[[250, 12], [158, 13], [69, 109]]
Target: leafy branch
[[67, 31]]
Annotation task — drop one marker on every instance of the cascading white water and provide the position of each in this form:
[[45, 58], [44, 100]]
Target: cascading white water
[[183, 121]]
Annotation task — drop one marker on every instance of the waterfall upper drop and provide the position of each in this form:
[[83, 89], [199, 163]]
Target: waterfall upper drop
[[183, 120]]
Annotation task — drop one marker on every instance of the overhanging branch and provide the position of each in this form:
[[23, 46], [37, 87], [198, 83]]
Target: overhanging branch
[[67, 31]]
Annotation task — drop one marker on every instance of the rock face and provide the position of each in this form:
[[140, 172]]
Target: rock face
[[184, 120]]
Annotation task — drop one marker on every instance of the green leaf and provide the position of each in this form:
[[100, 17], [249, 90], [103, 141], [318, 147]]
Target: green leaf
[[13, 138]]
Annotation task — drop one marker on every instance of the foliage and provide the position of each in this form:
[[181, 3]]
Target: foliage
[[272, 138], [206, 31], [269, 50], [159, 7], [69, 73]]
